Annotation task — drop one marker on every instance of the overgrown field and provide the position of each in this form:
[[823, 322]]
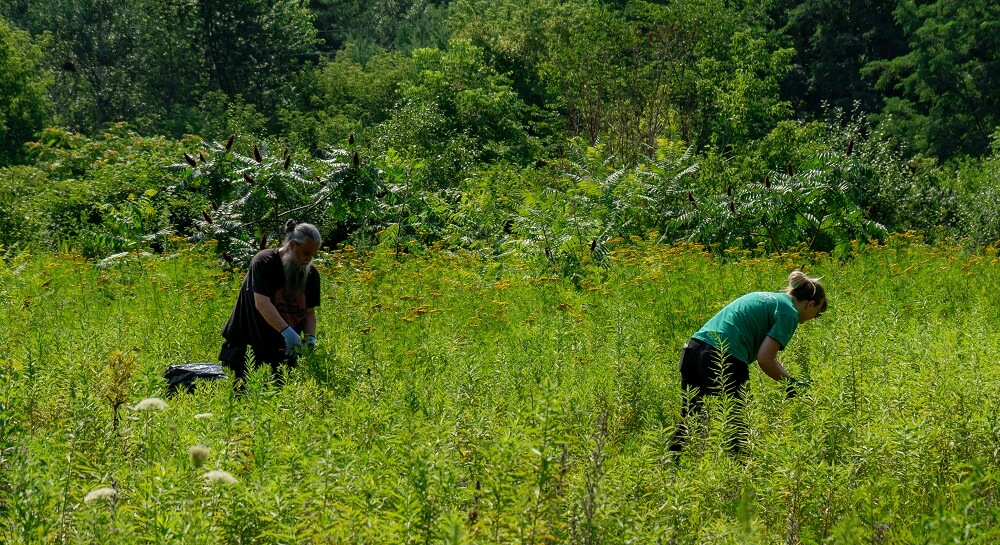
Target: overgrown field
[[455, 400]]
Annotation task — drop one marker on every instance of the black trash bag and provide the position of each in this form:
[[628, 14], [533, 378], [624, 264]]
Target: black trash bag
[[185, 375]]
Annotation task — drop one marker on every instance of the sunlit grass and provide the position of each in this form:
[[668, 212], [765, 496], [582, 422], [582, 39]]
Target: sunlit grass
[[454, 399]]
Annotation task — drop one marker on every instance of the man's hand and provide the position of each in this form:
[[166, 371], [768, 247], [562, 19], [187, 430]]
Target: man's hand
[[311, 341], [292, 341]]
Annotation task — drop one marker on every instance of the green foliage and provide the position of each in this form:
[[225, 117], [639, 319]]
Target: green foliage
[[709, 73], [408, 214], [844, 186], [97, 196], [23, 101], [742, 92], [251, 196], [629, 77], [483, 218], [452, 398], [979, 201], [251, 46], [552, 130], [568, 216], [823, 185], [217, 116], [820, 205], [456, 113], [949, 104], [342, 97], [94, 42], [517, 39], [148, 62], [834, 40], [381, 25]]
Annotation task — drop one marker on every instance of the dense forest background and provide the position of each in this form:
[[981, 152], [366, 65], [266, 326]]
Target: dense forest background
[[553, 128]]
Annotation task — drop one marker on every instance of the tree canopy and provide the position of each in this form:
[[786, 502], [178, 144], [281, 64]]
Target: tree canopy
[[23, 90], [504, 124]]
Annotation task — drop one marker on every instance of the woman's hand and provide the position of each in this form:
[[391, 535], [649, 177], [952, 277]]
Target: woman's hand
[[794, 387]]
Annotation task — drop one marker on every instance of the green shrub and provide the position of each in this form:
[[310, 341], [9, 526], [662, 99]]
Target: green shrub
[[99, 196], [978, 199]]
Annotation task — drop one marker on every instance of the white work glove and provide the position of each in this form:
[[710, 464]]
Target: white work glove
[[292, 340]]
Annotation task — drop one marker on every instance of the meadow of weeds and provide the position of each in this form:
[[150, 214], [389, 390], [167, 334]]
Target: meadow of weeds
[[453, 400]]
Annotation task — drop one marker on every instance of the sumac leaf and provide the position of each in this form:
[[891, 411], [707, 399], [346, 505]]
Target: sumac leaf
[[190, 160], [256, 154]]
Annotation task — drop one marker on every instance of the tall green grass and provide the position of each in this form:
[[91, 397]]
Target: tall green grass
[[461, 401]]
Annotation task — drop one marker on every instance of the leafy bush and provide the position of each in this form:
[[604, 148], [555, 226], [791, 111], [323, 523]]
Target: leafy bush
[[251, 196], [818, 206], [456, 113], [341, 97], [99, 196], [978, 199], [20, 220], [573, 221], [822, 185]]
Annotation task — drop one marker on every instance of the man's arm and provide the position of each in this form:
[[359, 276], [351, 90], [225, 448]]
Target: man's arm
[[310, 325], [767, 358], [270, 313]]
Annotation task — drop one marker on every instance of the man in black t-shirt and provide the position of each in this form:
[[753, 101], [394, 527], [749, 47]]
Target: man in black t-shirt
[[276, 305]]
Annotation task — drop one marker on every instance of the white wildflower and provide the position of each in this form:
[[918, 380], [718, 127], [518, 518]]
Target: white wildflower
[[203, 416], [150, 404], [219, 476], [198, 455], [100, 493]]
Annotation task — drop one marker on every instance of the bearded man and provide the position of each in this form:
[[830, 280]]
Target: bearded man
[[276, 305]]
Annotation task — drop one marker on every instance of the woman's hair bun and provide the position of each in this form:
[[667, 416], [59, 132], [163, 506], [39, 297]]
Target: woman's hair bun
[[805, 288], [797, 278], [290, 226]]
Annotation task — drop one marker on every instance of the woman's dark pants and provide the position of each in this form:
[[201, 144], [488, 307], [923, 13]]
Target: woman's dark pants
[[703, 373]]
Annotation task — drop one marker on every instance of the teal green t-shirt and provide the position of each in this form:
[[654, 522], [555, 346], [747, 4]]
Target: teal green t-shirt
[[744, 323]]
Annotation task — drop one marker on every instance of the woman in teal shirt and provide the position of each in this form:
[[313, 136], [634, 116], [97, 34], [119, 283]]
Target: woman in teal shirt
[[752, 328]]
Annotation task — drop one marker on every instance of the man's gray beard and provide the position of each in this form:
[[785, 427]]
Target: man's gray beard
[[295, 274]]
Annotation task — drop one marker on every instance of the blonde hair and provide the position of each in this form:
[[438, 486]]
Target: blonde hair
[[805, 288]]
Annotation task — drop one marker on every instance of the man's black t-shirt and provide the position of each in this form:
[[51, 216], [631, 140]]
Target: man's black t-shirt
[[266, 276]]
